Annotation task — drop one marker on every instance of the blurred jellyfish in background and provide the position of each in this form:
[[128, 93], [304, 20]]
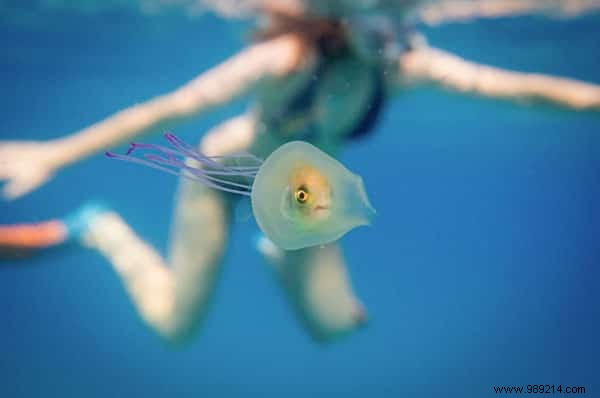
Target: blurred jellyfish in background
[[304, 56]]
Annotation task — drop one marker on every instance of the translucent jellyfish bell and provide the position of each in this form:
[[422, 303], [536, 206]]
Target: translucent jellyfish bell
[[300, 196]]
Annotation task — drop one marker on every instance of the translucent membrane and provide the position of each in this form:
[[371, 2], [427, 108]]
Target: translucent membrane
[[283, 220]]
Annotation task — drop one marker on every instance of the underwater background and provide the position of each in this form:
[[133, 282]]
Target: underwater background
[[481, 270]]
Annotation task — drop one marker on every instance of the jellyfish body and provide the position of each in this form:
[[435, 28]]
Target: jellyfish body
[[300, 196]]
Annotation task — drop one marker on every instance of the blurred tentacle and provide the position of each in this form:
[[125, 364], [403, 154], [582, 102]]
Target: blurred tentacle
[[447, 11], [425, 65]]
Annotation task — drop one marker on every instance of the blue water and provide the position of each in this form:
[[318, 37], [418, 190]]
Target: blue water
[[481, 270]]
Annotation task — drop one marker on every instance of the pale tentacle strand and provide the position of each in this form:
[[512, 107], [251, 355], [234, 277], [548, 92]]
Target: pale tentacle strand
[[211, 171], [182, 166], [191, 152]]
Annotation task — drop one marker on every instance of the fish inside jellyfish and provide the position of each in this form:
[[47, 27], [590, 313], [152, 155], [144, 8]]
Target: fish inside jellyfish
[[300, 196]]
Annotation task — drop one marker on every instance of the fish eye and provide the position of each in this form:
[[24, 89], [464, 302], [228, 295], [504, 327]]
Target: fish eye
[[301, 195]]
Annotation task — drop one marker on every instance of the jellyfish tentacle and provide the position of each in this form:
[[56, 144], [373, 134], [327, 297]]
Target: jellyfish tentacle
[[208, 183], [196, 171], [184, 149], [210, 172], [133, 159], [181, 164], [241, 155], [191, 152], [210, 161], [191, 174], [170, 153]]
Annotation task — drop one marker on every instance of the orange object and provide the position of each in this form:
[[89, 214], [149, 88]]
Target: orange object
[[37, 235]]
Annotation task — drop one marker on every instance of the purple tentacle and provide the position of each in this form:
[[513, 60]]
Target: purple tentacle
[[192, 176], [191, 152], [200, 172], [179, 163], [209, 173], [131, 159], [209, 160], [171, 154]]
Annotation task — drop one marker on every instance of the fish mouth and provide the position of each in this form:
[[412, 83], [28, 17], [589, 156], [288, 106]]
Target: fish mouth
[[321, 212]]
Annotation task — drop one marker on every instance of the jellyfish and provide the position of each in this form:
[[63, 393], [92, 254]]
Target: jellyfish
[[300, 196]]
